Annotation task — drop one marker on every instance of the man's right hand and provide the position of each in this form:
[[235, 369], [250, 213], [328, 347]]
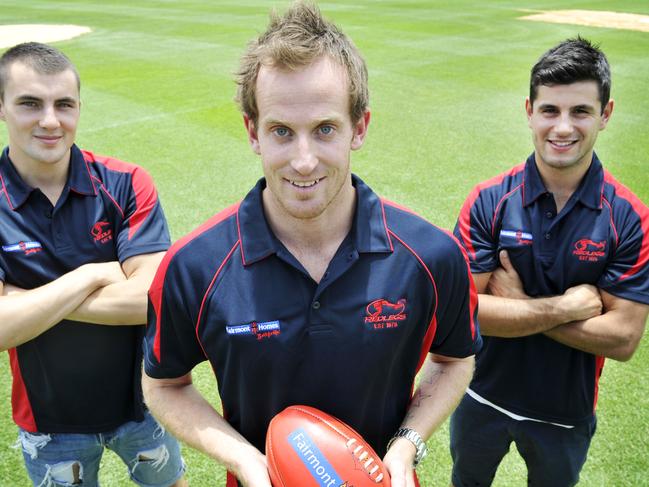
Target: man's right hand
[[581, 303], [505, 281], [25, 314]]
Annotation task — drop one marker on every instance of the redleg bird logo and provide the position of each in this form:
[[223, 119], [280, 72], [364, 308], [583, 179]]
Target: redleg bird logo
[[375, 308], [382, 314], [102, 232], [587, 244], [589, 250]]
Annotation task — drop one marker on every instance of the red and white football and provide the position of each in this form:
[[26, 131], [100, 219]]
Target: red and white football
[[306, 447]]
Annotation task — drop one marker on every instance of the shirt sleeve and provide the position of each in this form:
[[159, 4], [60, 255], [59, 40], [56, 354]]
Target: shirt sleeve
[[475, 233], [171, 348], [144, 227], [627, 274], [458, 332]]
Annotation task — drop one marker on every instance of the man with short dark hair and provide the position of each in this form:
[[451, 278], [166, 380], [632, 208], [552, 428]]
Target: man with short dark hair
[[81, 237], [312, 290], [559, 252]]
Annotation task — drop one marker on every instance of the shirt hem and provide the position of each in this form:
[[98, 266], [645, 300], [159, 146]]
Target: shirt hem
[[622, 293], [149, 249], [531, 415], [82, 429], [515, 416]]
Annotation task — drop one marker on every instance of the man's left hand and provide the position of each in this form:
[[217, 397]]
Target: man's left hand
[[399, 462]]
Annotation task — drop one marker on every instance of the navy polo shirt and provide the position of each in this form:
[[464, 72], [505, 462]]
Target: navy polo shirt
[[77, 377], [600, 237], [230, 292]]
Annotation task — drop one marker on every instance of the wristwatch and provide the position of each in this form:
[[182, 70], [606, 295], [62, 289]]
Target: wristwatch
[[415, 438]]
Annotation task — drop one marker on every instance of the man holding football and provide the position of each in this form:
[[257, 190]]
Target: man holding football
[[559, 251], [312, 290]]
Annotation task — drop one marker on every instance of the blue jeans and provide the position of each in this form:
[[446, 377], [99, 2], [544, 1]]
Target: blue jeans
[[151, 454], [481, 437]]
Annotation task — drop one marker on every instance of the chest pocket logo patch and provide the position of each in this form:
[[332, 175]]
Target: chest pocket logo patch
[[102, 232], [27, 248], [382, 314], [589, 250], [260, 331], [521, 237]]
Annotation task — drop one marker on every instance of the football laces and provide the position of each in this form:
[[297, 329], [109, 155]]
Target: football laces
[[365, 459]]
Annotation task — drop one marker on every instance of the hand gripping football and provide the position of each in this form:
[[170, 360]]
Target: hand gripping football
[[306, 447]]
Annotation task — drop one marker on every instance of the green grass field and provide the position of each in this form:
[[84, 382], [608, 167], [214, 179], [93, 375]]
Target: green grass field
[[448, 82]]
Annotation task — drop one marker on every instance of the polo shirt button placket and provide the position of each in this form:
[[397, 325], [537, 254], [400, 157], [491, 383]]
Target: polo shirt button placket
[[58, 233]]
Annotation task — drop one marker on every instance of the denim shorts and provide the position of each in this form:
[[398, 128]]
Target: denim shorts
[[150, 453], [481, 436]]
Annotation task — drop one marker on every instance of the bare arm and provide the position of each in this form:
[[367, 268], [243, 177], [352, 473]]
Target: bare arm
[[442, 384], [124, 302], [26, 314], [506, 311], [614, 334], [182, 410]]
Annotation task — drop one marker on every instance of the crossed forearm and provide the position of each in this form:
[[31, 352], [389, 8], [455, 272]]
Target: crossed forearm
[[26, 314]]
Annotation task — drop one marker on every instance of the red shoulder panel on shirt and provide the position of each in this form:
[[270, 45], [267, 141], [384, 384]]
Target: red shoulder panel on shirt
[[473, 299], [4, 190], [146, 195], [465, 213], [22, 408], [155, 292], [643, 212]]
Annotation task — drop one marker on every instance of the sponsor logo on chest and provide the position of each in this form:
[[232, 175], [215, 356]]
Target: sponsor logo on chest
[[260, 331], [25, 247], [522, 237]]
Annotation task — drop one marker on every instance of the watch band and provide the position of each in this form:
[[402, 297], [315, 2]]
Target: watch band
[[415, 439]]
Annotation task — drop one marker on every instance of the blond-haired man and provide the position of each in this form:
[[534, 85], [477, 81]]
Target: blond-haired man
[[312, 290]]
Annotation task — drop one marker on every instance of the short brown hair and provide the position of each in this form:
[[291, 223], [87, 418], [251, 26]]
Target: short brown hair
[[41, 58], [571, 61], [294, 40]]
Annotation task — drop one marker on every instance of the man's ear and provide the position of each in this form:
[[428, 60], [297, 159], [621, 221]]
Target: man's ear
[[253, 138], [606, 114], [360, 131], [528, 109]]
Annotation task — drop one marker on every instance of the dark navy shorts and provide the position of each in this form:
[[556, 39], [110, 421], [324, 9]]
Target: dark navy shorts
[[481, 437]]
